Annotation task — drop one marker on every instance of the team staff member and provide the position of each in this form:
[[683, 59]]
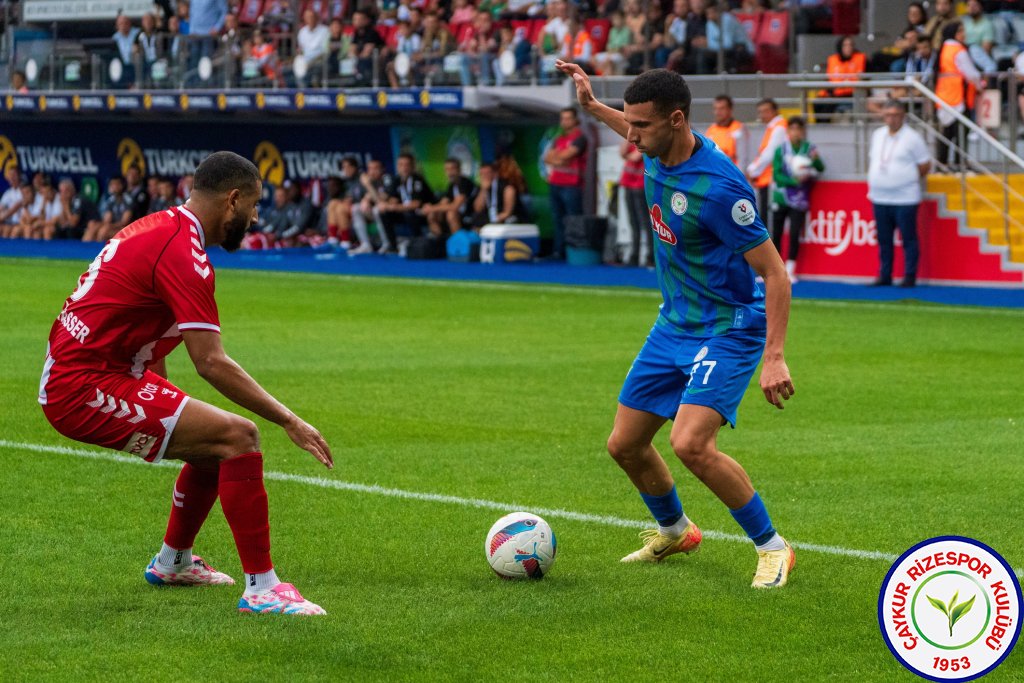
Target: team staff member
[[728, 134], [568, 157], [759, 171], [105, 381]]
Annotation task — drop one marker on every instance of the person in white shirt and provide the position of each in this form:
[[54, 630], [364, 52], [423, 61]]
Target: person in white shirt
[[897, 161], [10, 201], [312, 41]]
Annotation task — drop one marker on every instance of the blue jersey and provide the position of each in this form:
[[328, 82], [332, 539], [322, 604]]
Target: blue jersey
[[704, 216]]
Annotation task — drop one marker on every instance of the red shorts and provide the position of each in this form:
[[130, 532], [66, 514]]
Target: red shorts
[[115, 411]]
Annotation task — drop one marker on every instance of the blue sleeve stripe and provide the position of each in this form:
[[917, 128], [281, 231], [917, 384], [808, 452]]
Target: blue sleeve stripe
[[750, 245]]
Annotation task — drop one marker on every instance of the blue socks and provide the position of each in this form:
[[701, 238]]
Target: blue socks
[[666, 509], [753, 517]]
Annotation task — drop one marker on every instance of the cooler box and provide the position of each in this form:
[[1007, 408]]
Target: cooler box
[[509, 243]]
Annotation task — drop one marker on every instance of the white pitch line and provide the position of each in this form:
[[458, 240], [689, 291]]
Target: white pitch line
[[376, 489]]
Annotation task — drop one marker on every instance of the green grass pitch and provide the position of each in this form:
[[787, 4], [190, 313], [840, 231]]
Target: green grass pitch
[[907, 423]]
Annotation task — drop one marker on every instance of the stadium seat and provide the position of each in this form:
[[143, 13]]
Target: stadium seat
[[774, 29], [751, 23], [536, 26], [250, 11], [598, 30]]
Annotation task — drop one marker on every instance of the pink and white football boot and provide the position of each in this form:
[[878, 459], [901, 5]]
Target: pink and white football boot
[[196, 574], [283, 598]]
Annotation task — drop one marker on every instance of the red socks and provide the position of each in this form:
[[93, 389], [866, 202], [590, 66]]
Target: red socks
[[244, 501], [194, 494]]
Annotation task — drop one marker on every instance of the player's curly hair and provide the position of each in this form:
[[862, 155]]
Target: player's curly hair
[[225, 171], [666, 89]]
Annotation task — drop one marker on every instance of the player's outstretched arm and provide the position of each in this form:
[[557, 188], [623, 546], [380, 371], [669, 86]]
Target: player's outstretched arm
[[776, 382], [613, 118], [228, 377]]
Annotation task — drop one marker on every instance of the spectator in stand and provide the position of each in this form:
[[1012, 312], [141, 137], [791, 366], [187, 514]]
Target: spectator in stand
[[115, 212], [312, 44], [845, 64], [673, 50], [406, 43], [135, 193], [894, 58], [728, 134], [944, 15], [759, 171], [124, 39], [723, 34], [31, 209], [339, 43], [577, 47], [654, 38], [612, 61], [567, 159], [636, 21], [511, 40], [793, 177], [479, 49], [917, 18], [165, 196], [184, 189], [497, 200], [979, 37], [231, 42], [19, 82], [921, 65], [753, 6], [632, 183], [365, 40], [172, 41], [405, 195], [263, 60], [274, 221], [206, 19], [437, 43], [453, 209], [522, 9], [182, 11], [147, 45], [898, 159], [10, 201], [339, 210], [75, 212], [956, 84]]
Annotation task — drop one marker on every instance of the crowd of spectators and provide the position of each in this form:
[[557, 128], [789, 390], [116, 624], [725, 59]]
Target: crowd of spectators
[[405, 42]]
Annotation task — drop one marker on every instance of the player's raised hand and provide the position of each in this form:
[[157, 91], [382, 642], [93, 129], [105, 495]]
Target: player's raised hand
[[776, 383], [584, 91], [306, 437]]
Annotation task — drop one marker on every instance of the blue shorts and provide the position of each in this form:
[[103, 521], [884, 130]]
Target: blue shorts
[[674, 369]]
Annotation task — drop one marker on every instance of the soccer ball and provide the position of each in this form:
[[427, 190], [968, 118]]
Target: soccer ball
[[801, 167], [520, 545]]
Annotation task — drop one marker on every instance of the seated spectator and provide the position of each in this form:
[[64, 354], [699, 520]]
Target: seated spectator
[[453, 210], [436, 44], [300, 217], [917, 18], [405, 195], [231, 50], [184, 189], [115, 212], [726, 35], [894, 58], [478, 50], [274, 221], [19, 82], [980, 37], [366, 198], [496, 201], [653, 40], [76, 212], [262, 61], [135, 193], [10, 201], [124, 39], [921, 65], [846, 64], [406, 43], [612, 61], [365, 41], [813, 16], [522, 9], [673, 50], [577, 46], [165, 196], [147, 45], [312, 44], [339, 43], [30, 209], [172, 42], [45, 226]]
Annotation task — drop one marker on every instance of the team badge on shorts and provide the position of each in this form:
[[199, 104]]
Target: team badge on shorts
[[679, 203], [949, 609]]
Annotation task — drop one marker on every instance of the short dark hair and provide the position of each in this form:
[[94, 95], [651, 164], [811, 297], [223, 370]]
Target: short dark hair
[[893, 103], [724, 98], [666, 89], [949, 31], [225, 171], [796, 121], [571, 110], [769, 101], [410, 157], [453, 160]]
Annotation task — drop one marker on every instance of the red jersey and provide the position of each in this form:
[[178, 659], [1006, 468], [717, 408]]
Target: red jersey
[[151, 280]]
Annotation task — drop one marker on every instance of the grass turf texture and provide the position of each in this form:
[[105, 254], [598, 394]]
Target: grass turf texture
[[906, 424]]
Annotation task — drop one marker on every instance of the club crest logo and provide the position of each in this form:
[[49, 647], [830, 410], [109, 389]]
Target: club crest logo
[[743, 212], [679, 203], [658, 225], [949, 609]]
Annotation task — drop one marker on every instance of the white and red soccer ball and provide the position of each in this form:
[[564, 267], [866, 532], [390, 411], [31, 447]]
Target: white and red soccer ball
[[520, 545]]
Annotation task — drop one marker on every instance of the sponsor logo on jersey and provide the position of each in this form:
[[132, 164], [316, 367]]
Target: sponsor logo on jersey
[[679, 203], [140, 444], [658, 225], [743, 212]]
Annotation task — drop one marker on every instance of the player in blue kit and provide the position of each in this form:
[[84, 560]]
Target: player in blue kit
[[715, 324]]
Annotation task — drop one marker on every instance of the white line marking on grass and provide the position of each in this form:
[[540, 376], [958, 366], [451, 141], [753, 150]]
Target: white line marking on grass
[[378, 490]]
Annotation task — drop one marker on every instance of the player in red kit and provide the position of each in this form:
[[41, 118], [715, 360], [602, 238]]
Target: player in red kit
[[105, 383]]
